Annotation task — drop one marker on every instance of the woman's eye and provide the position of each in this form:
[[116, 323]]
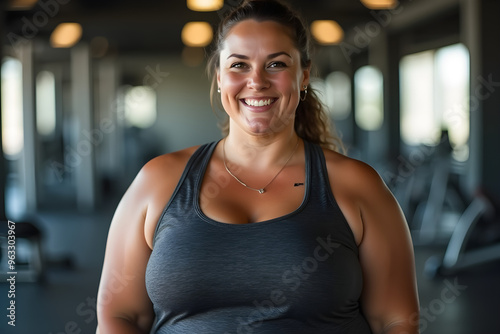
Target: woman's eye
[[276, 64], [238, 65]]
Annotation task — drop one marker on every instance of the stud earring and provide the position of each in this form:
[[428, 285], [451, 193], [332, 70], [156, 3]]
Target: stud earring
[[218, 90]]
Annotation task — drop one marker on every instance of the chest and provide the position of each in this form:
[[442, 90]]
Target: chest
[[302, 265], [224, 199]]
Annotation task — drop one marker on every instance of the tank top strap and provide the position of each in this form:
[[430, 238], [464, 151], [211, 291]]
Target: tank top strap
[[319, 181], [322, 198], [190, 178]]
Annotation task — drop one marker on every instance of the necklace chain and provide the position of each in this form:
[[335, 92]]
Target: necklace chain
[[263, 189]]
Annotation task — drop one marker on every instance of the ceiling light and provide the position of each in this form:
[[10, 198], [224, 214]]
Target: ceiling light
[[380, 4], [65, 35], [205, 5], [21, 4], [197, 34], [327, 32]]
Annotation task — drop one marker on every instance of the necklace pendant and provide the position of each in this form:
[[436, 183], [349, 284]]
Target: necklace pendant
[[261, 191]]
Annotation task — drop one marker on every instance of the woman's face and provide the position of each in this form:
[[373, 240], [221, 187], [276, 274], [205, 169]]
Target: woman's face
[[260, 77]]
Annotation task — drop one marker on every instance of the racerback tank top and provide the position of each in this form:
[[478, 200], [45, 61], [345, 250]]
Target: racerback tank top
[[298, 273]]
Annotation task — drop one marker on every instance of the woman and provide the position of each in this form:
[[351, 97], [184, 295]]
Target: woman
[[269, 230]]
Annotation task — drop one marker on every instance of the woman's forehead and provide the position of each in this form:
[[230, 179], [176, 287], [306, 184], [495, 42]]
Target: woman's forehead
[[252, 35]]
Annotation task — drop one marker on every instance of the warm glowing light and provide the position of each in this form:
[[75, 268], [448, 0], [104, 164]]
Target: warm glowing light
[[197, 34], [380, 4], [65, 35], [21, 4], [327, 32], [205, 5]]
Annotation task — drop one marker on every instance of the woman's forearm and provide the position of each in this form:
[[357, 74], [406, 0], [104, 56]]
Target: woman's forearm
[[400, 328], [119, 325]]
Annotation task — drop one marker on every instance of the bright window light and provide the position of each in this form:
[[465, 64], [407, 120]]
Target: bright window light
[[338, 96], [417, 112], [45, 103], [369, 98], [140, 106], [12, 107], [452, 93], [435, 97], [318, 84]]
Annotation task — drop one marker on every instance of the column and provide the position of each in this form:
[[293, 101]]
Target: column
[[3, 169], [83, 143], [28, 156], [481, 33]]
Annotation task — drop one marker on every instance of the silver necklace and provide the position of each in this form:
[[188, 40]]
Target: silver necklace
[[263, 189]]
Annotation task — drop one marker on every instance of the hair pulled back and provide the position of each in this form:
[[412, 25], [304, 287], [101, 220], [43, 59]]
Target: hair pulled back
[[311, 121]]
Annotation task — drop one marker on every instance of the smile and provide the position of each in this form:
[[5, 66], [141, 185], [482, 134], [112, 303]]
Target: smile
[[258, 103]]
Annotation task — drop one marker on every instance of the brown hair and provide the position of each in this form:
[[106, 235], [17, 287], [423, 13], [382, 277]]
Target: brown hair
[[311, 121]]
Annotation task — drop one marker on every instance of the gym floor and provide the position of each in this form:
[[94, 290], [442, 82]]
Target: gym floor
[[465, 303]]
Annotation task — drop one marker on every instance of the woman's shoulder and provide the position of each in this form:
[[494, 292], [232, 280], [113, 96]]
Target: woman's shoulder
[[168, 162], [352, 175], [158, 179]]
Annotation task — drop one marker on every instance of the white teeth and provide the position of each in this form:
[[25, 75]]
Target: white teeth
[[258, 103]]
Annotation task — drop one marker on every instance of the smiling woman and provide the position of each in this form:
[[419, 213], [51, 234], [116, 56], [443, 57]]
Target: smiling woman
[[269, 230], [260, 87]]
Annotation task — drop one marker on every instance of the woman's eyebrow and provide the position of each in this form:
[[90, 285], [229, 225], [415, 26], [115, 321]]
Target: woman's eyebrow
[[271, 56], [235, 55], [277, 54]]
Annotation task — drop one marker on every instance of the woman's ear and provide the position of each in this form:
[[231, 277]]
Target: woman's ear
[[218, 77], [306, 72]]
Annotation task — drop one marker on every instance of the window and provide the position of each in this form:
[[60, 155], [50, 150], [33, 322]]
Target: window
[[369, 98], [319, 87], [338, 96], [45, 103], [12, 107], [435, 97], [140, 106]]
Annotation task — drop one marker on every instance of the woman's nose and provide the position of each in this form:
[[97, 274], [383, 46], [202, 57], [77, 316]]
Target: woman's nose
[[258, 79]]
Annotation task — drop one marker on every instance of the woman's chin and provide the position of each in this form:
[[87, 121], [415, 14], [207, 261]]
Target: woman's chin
[[266, 127]]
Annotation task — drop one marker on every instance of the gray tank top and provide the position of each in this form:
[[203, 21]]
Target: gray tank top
[[298, 273]]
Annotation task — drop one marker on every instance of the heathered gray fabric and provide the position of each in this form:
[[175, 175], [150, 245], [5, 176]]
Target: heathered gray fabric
[[298, 273]]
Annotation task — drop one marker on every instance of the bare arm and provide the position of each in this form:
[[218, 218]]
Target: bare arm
[[389, 298], [123, 305]]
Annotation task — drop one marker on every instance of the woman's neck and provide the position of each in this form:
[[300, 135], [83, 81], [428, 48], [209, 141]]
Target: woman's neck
[[259, 152]]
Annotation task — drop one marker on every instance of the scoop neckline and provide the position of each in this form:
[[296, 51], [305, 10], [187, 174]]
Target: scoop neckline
[[212, 221]]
